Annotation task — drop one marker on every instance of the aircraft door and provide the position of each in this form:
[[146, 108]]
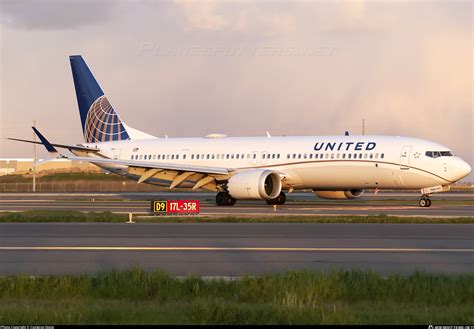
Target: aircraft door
[[263, 159], [254, 158], [117, 153], [405, 157]]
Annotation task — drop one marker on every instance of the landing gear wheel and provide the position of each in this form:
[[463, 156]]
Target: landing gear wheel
[[424, 202], [279, 200], [224, 199]]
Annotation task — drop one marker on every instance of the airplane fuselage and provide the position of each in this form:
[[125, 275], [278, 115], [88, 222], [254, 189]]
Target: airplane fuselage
[[306, 162]]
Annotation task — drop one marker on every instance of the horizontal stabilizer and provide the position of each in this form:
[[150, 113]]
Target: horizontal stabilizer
[[63, 146]]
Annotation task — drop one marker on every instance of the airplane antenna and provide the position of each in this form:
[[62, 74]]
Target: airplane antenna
[[346, 133], [166, 136], [268, 134]]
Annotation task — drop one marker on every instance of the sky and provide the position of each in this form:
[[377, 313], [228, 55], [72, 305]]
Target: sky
[[189, 68]]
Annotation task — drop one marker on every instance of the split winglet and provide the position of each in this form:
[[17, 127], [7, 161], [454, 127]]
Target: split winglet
[[50, 148]]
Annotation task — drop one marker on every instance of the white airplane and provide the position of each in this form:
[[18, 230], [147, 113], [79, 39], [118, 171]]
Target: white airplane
[[238, 168]]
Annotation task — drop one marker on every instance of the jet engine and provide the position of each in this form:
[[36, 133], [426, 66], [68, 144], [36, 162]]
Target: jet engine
[[255, 184], [340, 195]]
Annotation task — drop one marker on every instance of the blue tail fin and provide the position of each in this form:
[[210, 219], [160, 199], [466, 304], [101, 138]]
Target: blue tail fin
[[100, 122]]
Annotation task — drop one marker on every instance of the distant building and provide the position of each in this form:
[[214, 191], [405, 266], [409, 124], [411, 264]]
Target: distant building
[[25, 165]]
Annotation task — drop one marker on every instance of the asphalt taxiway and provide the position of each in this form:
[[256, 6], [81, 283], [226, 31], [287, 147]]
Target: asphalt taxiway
[[398, 204], [234, 249]]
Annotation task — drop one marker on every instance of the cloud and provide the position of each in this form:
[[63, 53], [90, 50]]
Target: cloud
[[245, 17], [202, 14], [404, 67], [54, 14]]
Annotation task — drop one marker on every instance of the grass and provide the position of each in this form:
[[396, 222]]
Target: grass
[[300, 297], [41, 216], [60, 216]]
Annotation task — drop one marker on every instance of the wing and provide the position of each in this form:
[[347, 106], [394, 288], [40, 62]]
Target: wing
[[202, 176], [205, 177]]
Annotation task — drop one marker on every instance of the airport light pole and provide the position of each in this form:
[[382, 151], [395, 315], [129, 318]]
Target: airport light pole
[[34, 159]]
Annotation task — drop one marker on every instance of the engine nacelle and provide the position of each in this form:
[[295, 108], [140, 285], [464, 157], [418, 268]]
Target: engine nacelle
[[339, 195], [255, 184]]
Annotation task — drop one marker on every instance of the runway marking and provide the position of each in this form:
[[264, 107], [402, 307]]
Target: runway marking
[[271, 249]]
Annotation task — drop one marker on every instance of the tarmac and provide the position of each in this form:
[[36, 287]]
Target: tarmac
[[303, 204], [234, 249]]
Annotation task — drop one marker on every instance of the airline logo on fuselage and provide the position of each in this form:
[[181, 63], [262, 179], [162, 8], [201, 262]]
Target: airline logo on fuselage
[[345, 146]]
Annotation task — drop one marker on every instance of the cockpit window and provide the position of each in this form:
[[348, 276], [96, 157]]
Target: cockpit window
[[437, 154], [446, 154]]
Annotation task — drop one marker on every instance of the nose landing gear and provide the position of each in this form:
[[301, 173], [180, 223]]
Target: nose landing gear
[[424, 201]]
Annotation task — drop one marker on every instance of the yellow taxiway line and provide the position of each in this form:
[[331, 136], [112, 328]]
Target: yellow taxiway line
[[267, 249]]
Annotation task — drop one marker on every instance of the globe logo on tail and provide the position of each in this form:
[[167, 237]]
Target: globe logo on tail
[[103, 123]]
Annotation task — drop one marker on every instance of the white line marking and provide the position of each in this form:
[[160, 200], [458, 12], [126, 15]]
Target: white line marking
[[91, 248]]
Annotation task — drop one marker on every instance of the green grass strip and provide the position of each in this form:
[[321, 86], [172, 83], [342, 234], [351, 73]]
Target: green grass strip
[[77, 216], [298, 297]]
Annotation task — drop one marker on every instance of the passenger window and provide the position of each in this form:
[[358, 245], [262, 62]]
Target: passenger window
[[376, 155], [311, 155], [337, 156], [197, 156], [343, 155], [349, 155], [365, 155], [192, 156], [360, 156], [382, 156], [326, 155], [177, 156], [299, 156]]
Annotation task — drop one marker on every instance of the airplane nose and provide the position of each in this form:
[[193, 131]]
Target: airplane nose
[[462, 169]]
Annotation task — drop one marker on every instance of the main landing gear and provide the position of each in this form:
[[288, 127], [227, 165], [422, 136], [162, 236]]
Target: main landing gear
[[279, 200], [424, 201], [224, 199]]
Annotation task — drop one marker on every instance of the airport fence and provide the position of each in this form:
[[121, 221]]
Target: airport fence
[[78, 186]]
